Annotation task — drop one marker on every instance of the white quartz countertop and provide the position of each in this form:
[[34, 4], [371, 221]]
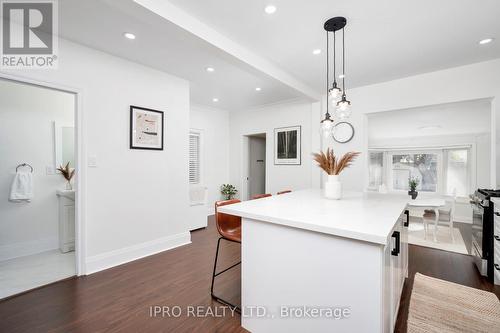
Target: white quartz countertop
[[366, 217]]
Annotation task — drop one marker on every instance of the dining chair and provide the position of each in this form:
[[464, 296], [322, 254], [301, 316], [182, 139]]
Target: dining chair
[[259, 196], [283, 192], [446, 216], [229, 228]]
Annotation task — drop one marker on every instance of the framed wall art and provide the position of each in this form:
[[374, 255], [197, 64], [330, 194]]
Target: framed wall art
[[287, 145], [146, 128]]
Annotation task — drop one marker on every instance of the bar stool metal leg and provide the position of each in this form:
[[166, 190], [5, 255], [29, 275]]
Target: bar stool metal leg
[[217, 298]]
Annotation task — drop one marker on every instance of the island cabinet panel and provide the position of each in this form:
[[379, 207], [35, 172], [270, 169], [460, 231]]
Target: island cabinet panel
[[395, 257], [287, 272], [310, 264]]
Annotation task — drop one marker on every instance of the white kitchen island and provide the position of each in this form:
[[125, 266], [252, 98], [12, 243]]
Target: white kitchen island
[[315, 265]]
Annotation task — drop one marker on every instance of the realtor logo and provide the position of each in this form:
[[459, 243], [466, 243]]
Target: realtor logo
[[29, 34]]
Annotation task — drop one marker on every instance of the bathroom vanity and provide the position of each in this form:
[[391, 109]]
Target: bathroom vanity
[[66, 220], [302, 252]]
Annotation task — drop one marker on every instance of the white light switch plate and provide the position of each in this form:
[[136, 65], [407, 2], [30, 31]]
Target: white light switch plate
[[50, 170], [92, 162]]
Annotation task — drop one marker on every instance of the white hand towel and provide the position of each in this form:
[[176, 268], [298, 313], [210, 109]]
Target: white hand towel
[[22, 187]]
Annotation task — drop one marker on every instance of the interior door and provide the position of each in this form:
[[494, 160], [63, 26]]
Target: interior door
[[257, 166]]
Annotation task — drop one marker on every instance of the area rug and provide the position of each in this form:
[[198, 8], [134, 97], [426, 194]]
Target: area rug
[[416, 236], [438, 306]]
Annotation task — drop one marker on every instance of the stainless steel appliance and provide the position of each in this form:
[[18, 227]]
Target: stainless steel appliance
[[482, 230]]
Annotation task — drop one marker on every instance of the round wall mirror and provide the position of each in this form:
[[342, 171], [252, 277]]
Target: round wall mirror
[[343, 133]]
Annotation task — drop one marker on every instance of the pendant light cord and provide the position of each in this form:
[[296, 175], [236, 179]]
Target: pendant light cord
[[334, 60], [327, 74], [343, 61]]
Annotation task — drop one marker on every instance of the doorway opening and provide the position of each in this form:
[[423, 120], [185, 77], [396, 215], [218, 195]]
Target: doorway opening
[[447, 153], [256, 164], [38, 216]]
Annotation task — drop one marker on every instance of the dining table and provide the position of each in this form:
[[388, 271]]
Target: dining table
[[430, 204]]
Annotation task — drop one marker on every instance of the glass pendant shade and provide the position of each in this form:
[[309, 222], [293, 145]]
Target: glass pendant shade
[[343, 110], [334, 94], [326, 127]]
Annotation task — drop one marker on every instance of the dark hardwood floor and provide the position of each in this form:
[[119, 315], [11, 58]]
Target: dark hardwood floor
[[466, 232], [119, 299]]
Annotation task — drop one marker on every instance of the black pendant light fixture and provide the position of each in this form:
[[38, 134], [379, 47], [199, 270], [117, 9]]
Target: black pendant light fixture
[[343, 106], [335, 95], [326, 127]]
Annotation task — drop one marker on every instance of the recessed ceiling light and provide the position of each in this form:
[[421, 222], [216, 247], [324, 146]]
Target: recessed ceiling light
[[429, 127], [215, 100], [270, 9], [316, 51], [129, 35], [485, 41], [210, 69], [258, 89]]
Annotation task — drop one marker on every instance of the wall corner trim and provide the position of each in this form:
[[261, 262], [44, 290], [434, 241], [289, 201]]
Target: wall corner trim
[[127, 254]]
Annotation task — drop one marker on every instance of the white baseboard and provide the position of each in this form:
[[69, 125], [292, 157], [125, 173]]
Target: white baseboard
[[211, 211], [16, 250], [121, 256], [463, 219]]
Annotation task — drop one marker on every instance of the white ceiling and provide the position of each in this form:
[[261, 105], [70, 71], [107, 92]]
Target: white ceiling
[[385, 40], [100, 24], [468, 117]]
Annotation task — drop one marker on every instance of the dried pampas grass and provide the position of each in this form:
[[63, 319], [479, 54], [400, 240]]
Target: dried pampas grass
[[333, 165], [67, 172]]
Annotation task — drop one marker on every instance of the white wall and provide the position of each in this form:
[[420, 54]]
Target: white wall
[[215, 160], [136, 200], [448, 119], [265, 120], [476, 81], [27, 114]]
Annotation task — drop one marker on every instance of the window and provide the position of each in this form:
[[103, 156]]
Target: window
[[376, 170], [194, 158], [421, 166], [457, 172], [439, 170]]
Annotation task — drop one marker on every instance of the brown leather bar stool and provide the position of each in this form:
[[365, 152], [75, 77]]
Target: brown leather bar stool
[[259, 196], [283, 192], [229, 228]]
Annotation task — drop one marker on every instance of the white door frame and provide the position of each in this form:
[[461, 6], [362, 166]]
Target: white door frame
[[81, 149]]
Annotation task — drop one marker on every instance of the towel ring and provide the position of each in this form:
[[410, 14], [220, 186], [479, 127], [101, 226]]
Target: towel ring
[[24, 165]]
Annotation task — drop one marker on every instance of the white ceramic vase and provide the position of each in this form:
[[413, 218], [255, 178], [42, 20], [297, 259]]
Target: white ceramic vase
[[333, 188]]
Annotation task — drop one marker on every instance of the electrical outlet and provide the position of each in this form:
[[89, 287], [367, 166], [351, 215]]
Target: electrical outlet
[[92, 161]]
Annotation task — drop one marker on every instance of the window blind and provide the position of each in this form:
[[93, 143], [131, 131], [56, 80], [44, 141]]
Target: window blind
[[194, 158]]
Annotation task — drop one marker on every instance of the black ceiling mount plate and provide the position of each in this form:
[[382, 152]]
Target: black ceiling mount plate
[[335, 23]]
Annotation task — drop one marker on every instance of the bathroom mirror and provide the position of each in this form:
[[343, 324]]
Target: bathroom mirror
[[64, 144]]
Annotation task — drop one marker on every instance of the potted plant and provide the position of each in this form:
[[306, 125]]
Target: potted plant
[[413, 183], [228, 191], [67, 173], [333, 166]]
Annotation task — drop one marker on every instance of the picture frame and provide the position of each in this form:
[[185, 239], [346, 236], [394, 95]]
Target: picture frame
[[146, 128], [288, 145]]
